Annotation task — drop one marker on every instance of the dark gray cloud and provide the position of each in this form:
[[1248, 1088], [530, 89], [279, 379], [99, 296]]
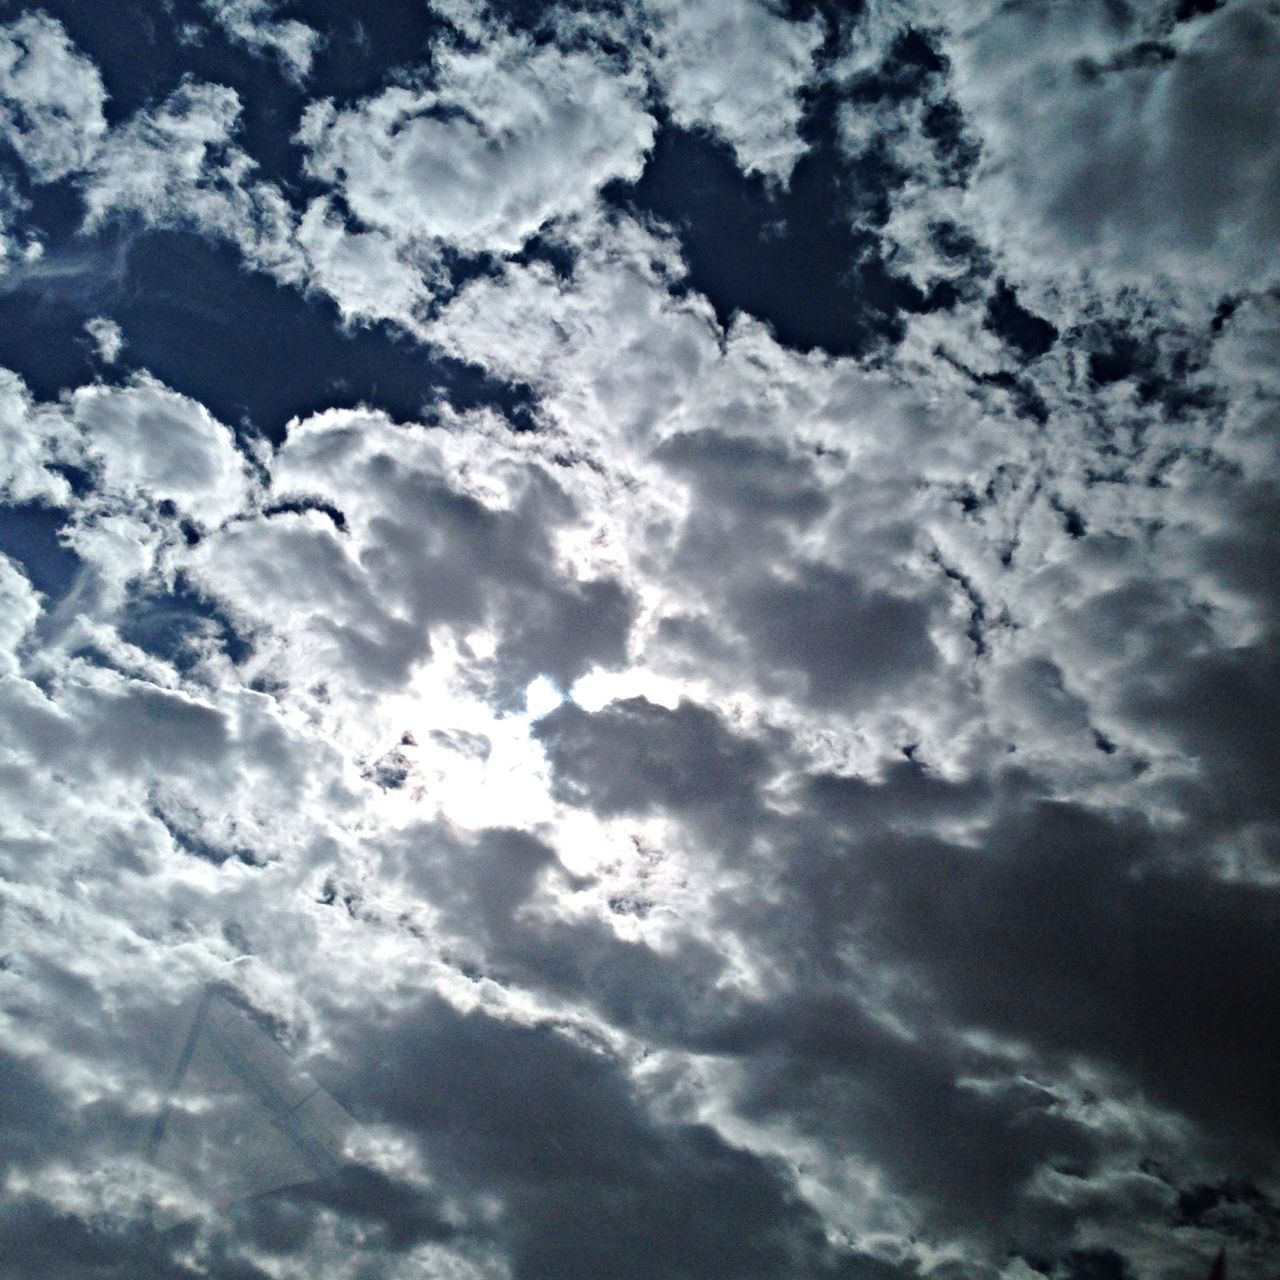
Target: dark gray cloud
[[41, 1241], [1223, 710], [634, 756], [1059, 928], [845, 641], [828, 1068], [587, 1178], [755, 479]]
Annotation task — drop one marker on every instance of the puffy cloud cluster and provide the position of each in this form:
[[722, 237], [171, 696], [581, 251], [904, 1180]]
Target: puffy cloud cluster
[[1129, 142], [254, 23], [505, 139], [51, 97], [737, 69], [389, 548], [1137, 147], [777, 814]]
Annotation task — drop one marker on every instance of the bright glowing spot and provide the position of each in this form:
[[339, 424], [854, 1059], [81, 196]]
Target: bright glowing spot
[[598, 688], [541, 698]]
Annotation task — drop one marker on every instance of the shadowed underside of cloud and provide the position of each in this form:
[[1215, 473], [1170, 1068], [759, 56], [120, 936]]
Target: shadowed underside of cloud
[[638, 639], [587, 1179]]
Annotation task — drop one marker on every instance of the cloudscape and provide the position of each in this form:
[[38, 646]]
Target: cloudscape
[[638, 639]]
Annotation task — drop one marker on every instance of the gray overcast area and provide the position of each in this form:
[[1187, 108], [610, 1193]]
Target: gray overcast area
[[638, 640]]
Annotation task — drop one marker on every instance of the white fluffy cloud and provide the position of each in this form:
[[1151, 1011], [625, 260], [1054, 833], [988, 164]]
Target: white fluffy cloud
[[737, 69], [1136, 151], [51, 98], [369, 274], [35, 440], [149, 441], [418, 169], [176, 165], [253, 22], [507, 138], [108, 338]]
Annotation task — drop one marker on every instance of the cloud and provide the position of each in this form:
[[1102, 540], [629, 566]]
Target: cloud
[[1138, 151], [22, 608], [741, 874], [471, 566], [35, 442], [585, 1175], [737, 69], [51, 98], [175, 165], [508, 138], [107, 337], [757, 812], [253, 23], [369, 274], [843, 640], [1135, 941], [150, 442], [633, 755]]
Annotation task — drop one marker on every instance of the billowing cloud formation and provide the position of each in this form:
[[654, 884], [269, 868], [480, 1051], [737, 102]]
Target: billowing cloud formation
[[738, 69], [51, 97], [388, 545], [1141, 147], [505, 139], [254, 22], [636, 797], [175, 165], [1132, 142]]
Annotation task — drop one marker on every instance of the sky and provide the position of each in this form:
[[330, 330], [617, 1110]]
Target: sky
[[638, 639]]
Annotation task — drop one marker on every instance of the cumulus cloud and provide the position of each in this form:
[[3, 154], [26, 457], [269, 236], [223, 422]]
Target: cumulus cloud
[[760, 813], [369, 274], [570, 1187], [462, 563], [148, 441], [176, 165], [51, 98], [737, 69], [35, 442], [506, 138], [1138, 150], [108, 338], [253, 22]]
